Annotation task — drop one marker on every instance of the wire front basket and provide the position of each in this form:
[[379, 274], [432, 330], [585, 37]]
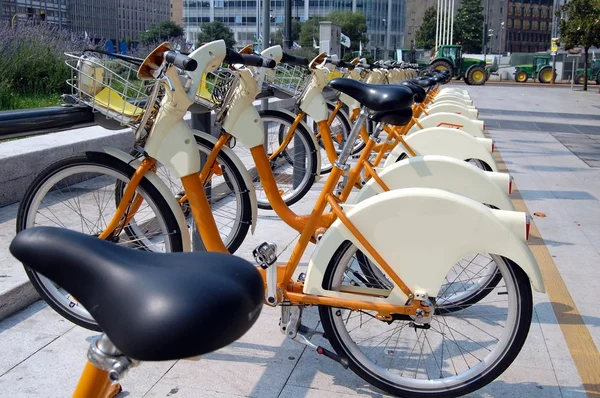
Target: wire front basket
[[290, 79], [216, 88], [109, 86]]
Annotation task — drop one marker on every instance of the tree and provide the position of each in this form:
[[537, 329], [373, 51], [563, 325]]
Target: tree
[[309, 30], [296, 26], [162, 32], [468, 26], [216, 30], [353, 25], [425, 36], [581, 27]]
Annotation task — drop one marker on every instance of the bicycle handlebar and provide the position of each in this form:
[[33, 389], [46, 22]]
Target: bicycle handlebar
[[181, 61], [294, 60], [233, 57]]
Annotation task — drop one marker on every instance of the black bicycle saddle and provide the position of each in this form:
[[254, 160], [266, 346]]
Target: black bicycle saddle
[[152, 306], [377, 97], [419, 92]]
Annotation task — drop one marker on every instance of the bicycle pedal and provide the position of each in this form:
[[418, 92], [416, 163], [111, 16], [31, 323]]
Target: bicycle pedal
[[265, 254], [302, 277]]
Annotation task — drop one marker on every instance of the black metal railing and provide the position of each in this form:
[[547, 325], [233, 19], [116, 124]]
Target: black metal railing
[[24, 122]]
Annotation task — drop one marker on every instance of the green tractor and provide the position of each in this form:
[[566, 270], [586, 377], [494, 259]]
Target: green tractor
[[540, 69], [450, 58], [593, 73]]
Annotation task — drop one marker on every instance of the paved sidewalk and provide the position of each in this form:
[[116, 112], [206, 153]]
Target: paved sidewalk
[[556, 172]]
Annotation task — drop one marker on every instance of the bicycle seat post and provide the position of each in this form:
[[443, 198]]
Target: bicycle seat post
[[348, 146], [104, 355]]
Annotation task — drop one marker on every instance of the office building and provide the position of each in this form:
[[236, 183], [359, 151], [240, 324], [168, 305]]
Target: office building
[[118, 19], [52, 11], [529, 25], [385, 18], [100, 19], [177, 12]]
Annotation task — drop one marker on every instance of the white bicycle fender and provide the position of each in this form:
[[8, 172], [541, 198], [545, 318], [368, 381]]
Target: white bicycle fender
[[243, 171], [421, 233], [312, 136], [453, 108], [452, 120], [455, 91], [446, 142], [163, 190], [442, 172], [453, 98]]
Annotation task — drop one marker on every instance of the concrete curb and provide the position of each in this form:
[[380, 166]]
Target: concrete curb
[[23, 159]]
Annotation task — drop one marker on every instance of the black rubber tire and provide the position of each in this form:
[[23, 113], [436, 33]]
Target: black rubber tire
[[472, 72], [524, 317], [110, 162], [521, 75], [312, 152], [541, 73], [579, 78]]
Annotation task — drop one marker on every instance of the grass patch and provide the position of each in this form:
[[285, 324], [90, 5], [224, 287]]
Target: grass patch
[[11, 101]]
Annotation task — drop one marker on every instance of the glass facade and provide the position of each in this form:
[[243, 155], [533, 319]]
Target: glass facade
[[385, 18], [56, 11]]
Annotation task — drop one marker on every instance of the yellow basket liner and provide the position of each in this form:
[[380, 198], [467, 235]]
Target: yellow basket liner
[[111, 100]]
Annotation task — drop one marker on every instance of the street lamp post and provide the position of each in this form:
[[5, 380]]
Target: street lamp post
[[385, 40], [501, 36]]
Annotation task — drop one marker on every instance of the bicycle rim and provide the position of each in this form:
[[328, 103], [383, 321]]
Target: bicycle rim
[[88, 191], [461, 351]]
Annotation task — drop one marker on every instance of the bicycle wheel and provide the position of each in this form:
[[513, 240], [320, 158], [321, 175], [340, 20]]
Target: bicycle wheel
[[459, 353], [78, 193], [468, 282], [295, 168], [475, 162], [226, 190]]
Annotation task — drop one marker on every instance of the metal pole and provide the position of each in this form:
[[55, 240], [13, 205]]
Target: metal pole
[[443, 23], [437, 26], [572, 72], [452, 23], [287, 25], [266, 31], [448, 21], [201, 122], [258, 46]]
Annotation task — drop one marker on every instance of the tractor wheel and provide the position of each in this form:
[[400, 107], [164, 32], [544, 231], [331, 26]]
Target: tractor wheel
[[521, 77], [476, 76], [598, 79], [441, 65], [545, 75], [580, 78]]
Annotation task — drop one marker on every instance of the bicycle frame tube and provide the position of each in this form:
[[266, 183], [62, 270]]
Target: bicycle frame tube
[[298, 222], [288, 136], [334, 112], [128, 199], [208, 168], [93, 383], [202, 213]]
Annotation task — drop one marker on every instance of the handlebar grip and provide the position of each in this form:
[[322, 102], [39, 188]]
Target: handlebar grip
[[294, 60], [347, 65], [233, 57], [181, 61]]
